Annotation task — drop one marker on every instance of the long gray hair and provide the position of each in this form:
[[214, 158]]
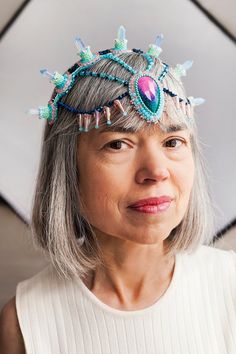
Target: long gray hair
[[57, 225]]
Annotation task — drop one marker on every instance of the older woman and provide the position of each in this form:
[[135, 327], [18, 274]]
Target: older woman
[[122, 210]]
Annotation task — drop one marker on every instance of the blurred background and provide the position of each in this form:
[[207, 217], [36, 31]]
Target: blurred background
[[40, 34]]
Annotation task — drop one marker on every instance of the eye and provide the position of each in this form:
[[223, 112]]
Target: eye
[[172, 143], [115, 144]]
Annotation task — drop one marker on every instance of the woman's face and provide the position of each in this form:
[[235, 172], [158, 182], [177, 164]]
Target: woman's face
[[117, 169]]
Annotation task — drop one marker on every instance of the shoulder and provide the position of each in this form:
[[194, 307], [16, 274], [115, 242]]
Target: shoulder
[[213, 261], [34, 289], [212, 253], [11, 339]]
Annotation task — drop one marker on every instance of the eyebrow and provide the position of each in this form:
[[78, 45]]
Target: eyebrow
[[167, 129], [175, 127]]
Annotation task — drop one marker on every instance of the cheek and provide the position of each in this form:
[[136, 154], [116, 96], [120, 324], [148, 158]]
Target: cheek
[[186, 178], [101, 189]]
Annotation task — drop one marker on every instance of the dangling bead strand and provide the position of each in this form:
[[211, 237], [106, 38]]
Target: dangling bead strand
[[183, 107], [80, 121], [97, 119], [118, 104], [177, 102], [188, 111], [87, 120], [107, 113]]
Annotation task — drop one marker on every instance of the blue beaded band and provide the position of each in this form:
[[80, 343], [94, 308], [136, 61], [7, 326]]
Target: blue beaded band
[[99, 109]]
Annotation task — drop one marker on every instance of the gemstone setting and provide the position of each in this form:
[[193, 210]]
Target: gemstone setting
[[147, 96]]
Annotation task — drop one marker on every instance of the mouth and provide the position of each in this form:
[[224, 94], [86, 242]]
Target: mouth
[[154, 205]]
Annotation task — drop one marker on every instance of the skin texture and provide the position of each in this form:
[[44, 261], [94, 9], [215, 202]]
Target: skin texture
[[112, 176]]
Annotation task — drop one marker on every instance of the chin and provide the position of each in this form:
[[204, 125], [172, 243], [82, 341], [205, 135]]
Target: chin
[[147, 237]]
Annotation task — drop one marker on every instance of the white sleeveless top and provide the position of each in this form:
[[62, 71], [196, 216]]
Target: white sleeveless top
[[195, 315]]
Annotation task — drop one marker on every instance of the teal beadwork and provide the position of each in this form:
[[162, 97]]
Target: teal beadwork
[[150, 109], [119, 61]]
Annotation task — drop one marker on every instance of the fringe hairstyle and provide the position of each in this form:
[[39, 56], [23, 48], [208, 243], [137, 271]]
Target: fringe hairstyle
[[57, 225]]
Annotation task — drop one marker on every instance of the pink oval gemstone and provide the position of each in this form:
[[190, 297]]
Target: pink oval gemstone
[[148, 90]]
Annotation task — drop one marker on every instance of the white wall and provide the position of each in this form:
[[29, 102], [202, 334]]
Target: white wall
[[43, 37]]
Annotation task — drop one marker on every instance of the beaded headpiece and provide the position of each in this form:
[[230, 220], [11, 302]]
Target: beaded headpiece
[[145, 91]]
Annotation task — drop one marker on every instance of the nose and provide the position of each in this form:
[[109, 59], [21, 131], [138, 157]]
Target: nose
[[153, 166]]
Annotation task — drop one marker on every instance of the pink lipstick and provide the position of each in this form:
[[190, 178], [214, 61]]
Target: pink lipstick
[[152, 205]]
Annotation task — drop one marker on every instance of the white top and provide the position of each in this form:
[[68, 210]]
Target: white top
[[195, 315]]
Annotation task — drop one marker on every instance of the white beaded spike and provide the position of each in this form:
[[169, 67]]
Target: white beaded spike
[[187, 64], [45, 112], [84, 52], [159, 40], [155, 48], [196, 101], [57, 79], [181, 69], [121, 41], [80, 45], [33, 111], [45, 72], [121, 33]]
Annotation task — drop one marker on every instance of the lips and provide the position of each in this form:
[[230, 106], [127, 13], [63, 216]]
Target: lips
[[154, 201], [154, 205]]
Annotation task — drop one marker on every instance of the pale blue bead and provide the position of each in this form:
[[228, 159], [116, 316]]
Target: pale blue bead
[[80, 44], [198, 101], [121, 33], [187, 64], [159, 40]]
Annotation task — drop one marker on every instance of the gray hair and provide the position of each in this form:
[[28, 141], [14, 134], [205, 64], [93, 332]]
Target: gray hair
[[58, 227]]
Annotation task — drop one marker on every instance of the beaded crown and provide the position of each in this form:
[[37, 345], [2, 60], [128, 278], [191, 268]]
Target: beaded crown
[[145, 91]]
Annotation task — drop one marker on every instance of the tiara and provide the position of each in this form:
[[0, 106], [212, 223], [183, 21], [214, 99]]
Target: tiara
[[145, 91]]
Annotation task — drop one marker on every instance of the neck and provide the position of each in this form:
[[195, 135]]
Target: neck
[[131, 273]]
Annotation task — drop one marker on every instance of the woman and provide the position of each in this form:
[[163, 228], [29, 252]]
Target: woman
[[122, 210]]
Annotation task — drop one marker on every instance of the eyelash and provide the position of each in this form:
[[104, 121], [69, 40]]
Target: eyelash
[[121, 141]]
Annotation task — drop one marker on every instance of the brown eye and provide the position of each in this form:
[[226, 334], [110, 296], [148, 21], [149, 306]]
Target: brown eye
[[116, 144], [173, 143]]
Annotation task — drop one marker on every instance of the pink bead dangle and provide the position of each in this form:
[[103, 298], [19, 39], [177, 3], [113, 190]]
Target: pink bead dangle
[[118, 104], [97, 116], [183, 107], [107, 113], [177, 102], [87, 120], [188, 110], [80, 121]]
